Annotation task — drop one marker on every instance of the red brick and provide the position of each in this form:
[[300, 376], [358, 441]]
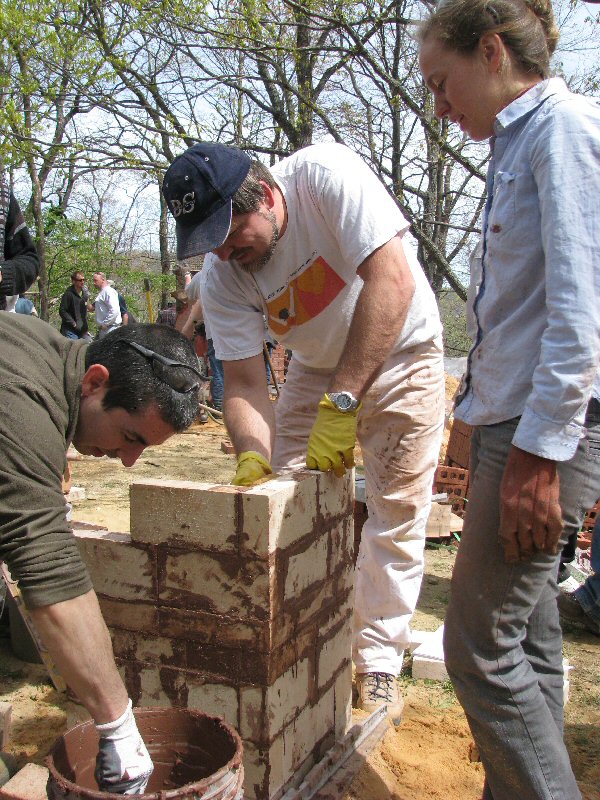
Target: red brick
[[28, 784], [590, 518]]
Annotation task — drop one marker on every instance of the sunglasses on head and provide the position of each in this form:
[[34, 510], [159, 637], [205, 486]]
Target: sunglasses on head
[[170, 371]]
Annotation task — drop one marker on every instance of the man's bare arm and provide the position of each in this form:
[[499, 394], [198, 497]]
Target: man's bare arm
[[194, 317], [248, 410], [78, 641], [379, 316]]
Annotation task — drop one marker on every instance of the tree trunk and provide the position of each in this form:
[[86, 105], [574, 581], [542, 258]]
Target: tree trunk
[[163, 236], [40, 237]]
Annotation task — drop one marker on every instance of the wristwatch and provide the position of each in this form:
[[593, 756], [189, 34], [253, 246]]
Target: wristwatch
[[343, 401]]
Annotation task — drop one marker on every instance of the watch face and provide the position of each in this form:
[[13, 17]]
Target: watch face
[[343, 401]]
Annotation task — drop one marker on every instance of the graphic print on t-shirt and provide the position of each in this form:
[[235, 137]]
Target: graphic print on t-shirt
[[305, 297]]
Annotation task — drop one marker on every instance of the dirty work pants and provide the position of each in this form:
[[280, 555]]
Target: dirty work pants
[[502, 637], [399, 430]]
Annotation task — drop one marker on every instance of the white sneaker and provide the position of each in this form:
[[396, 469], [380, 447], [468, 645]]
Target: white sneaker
[[569, 585], [376, 689]]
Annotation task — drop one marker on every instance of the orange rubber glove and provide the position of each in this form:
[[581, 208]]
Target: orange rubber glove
[[332, 439], [252, 469]]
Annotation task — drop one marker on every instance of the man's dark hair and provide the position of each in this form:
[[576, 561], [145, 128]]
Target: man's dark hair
[[132, 384], [251, 193]]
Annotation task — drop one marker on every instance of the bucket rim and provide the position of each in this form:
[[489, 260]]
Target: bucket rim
[[233, 765]]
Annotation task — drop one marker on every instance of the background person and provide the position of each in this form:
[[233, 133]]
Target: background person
[[127, 318], [320, 248], [106, 399], [168, 315], [25, 306], [531, 384], [582, 607], [106, 305], [73, 309], [123, 308], [196, 319], [19, 263]]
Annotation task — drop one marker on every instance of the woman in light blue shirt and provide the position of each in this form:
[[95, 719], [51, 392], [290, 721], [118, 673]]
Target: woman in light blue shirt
[[531, 385]]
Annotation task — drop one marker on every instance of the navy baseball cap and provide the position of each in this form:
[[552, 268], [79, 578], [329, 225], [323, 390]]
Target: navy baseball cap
[[198, 187]]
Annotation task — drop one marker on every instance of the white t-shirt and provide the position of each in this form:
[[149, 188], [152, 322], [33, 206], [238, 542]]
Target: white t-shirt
[[338, 213], [106, 306], [193, 292], [193, 288]]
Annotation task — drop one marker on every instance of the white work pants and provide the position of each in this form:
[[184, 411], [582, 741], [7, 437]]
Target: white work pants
[[400, 431]]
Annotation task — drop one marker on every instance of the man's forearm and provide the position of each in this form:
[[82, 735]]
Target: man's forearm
[[78, 641], [250, 427], [379, 317], [194, 318], [248, 410]]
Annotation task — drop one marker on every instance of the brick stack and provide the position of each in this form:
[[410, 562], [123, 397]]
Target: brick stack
[[238, 602], [454, 481], [453, 476], [279, 361], [459, 444]]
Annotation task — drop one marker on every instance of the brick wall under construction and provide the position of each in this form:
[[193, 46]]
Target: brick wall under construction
[[238, 602]]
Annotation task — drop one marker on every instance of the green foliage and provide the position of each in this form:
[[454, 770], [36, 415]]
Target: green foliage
[[73, 244], [453, 314], [129, 280], [43, 57]]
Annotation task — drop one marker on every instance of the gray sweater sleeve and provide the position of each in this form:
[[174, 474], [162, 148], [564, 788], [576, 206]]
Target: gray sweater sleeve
[[35, 539]]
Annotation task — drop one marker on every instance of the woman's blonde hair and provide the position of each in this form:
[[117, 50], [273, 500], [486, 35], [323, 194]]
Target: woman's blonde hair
[[527, 28]]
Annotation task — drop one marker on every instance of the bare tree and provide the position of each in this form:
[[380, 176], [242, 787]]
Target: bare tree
[[40, 56]]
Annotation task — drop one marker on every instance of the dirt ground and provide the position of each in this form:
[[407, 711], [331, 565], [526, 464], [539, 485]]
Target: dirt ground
[[426, 757]]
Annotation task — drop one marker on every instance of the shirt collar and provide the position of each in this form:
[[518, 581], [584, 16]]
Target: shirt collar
[[527, 102]]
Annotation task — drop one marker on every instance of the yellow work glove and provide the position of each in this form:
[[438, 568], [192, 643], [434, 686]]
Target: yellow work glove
[[252, 468], [332, 439]]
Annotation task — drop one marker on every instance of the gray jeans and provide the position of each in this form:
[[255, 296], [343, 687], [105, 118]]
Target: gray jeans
[[502, 637]]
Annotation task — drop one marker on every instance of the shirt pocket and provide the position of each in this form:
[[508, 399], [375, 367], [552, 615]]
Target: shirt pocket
[[504, 205]]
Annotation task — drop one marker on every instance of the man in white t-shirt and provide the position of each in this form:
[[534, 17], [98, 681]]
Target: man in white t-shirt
[[318, 247], [106, 305]]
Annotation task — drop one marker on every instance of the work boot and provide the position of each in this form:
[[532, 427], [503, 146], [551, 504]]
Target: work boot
[[567, 580], [570, 610], [377, 689]]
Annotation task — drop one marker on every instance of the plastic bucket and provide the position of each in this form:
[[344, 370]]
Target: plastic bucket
[[195, 756]]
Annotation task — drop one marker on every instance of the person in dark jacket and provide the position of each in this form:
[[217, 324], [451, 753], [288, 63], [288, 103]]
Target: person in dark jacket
[[19, 263], [73, 309]]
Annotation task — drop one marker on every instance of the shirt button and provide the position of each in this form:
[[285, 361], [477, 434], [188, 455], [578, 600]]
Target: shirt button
[[496, 228]]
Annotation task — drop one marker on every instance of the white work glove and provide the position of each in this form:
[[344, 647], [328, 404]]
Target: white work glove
[[123, 765]]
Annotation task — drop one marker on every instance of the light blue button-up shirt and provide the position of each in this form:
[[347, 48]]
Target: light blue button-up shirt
[[534, 305]]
